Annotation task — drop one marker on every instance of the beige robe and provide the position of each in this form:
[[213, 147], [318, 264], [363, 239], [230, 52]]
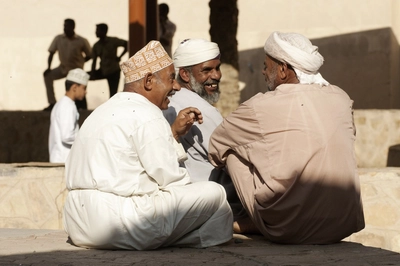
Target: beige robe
[[290, 154]]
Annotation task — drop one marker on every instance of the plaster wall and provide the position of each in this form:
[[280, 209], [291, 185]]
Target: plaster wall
[[27, 28]]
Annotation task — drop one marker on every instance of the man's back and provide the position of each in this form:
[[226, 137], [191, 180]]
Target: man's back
[[296, 143]]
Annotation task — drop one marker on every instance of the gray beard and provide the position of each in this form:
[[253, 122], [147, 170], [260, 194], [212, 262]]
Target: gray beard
[[271, 79], [199, 89]]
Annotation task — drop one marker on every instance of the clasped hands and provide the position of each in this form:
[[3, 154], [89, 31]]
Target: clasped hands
[[184, 121]]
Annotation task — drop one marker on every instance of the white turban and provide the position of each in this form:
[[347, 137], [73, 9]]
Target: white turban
[[195, 51], [297, 51], [294, 49]]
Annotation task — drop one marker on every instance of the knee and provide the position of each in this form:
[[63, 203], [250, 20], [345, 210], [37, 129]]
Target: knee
[[213, 192]]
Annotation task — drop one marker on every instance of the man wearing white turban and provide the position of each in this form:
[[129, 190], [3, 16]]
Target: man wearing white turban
[[290, 151], [198, 72]]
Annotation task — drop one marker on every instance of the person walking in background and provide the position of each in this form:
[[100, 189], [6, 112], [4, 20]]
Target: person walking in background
[[106, 49], [64, 116], [73, 51], [167, 28]]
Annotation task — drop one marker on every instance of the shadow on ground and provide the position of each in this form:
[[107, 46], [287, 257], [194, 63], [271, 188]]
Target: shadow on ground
[[242, 250]]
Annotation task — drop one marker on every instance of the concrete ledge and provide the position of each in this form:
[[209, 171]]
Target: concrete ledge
[[32, 196]]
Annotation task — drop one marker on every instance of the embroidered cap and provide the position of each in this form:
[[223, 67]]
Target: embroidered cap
[[151, 58]]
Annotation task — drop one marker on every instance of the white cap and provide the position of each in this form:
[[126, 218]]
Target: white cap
[[79, 76]]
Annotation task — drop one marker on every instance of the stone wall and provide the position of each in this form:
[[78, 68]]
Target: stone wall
[[24, 136], [377, 130], [380, 190], [32, 196]]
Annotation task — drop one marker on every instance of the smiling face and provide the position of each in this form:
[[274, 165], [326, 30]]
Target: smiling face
[[164, 86], [204, 79]]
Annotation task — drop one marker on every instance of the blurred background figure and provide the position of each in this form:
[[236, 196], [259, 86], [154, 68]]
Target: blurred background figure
[[73, 51], [167, 28], [106, 48]]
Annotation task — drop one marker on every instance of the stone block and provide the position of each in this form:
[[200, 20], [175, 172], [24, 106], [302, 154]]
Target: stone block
[[32, 195], [394, 156]]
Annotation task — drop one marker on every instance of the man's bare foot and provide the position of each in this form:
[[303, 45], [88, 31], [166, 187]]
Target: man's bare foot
[[245, 226]]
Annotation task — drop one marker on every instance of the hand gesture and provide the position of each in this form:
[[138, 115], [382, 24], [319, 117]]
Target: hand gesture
[[184, 121]]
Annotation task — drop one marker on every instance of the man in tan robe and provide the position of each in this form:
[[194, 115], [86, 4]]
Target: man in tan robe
[[290, 151]]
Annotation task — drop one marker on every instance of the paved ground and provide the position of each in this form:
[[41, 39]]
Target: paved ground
[[50, 247]]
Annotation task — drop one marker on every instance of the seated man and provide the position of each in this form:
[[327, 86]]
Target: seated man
[[198, 63], [126, 189], [290, 151]]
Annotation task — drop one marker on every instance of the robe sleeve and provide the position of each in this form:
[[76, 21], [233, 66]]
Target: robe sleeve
[[234, 134], [159, 153]]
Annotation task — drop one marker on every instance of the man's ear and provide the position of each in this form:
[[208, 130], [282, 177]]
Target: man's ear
[[147, 80], [74, 87], [184, 74], [283, 71]]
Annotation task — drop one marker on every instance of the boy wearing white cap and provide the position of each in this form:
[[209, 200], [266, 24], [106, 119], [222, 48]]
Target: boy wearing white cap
[[64, 116]]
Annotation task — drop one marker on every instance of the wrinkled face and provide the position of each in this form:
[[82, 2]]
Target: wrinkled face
[[205, 78], [164, 87], [80, 91], [270, 72]]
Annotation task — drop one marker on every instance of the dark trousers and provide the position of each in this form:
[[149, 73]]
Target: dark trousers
[[112, 79]]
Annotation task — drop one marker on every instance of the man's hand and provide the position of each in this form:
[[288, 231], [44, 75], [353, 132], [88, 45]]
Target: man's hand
[[184, 121]]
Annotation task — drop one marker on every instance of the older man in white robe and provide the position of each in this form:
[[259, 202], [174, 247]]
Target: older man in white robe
[[290, 151], [198, 72], [126, 188]]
